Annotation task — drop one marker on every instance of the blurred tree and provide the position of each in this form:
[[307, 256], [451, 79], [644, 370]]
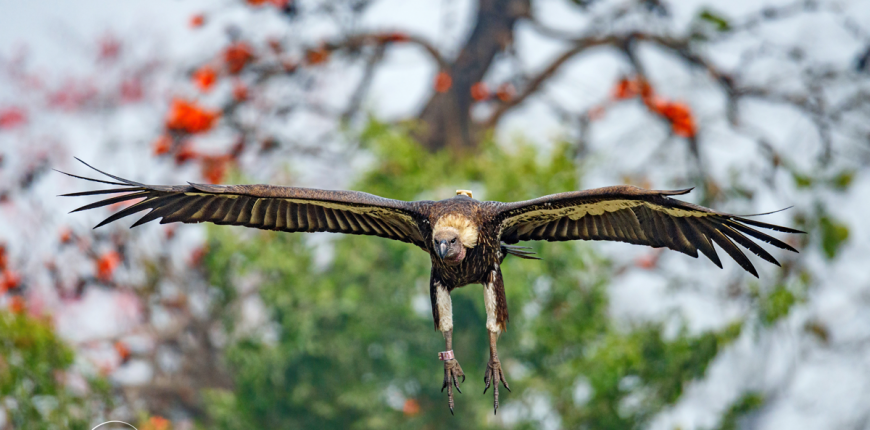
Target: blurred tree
[[346, 338], [282, 91], [33, 379]]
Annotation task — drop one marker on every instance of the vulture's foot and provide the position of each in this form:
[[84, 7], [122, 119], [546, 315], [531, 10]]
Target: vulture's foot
[[452, 372], [494, 374]]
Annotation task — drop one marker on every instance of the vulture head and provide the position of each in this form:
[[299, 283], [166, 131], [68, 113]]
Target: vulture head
[[448, 245]]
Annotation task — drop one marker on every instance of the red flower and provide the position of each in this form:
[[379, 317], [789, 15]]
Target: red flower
[[65, 235], [240, 91], [185, 153], [237, 56], [626, 89], [197, 255], [188, 116], [678, 114], [648, 261], [17, 304], [12, 117], [275, 45], [644, 88], [131, 90], [123, 351], [443, 82], [479, 91], [3, 259], [596, 113], [106, 265], [205, 78], [197, 20], [72, 95], [162, 145], [276, 3], [317, 56], [289, 66], [393, 37], [506, 92], [156, 423], [214, 167], [110, 47], [9, 280]]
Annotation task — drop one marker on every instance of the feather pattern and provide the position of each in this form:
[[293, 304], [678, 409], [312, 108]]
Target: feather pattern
[[290, 209], [642, 217], [487, 229]]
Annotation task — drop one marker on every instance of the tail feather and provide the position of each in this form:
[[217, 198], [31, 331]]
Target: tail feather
[[518, 251]]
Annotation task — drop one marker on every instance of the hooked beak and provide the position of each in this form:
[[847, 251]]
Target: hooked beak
[[442, 249]]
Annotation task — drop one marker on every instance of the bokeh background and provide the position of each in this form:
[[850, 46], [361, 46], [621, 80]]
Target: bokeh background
[[758, 105]]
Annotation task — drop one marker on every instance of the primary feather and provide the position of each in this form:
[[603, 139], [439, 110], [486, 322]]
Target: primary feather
[[638, 216], [620, 213], [290, 209]]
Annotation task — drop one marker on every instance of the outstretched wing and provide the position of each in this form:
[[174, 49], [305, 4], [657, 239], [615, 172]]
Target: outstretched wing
[[638, 216], [290, 209]]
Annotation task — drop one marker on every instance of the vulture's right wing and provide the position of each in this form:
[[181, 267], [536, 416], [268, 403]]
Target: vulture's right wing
[[637, 216], [290, 209]]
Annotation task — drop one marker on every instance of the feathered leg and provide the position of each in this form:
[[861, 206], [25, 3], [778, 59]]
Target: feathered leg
[[496, 321], [442, 311]]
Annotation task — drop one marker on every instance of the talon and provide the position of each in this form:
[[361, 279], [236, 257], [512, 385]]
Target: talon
[[493, 375], [452, 372]]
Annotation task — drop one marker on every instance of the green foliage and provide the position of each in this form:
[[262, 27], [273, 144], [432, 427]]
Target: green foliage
[[349, 350], [717, 20], [840, 181], [834, 235], [801, 180], [32, 359], [743, 406], [777, 304]]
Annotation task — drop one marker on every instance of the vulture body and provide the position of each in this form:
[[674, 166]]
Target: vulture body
[[466, 239]]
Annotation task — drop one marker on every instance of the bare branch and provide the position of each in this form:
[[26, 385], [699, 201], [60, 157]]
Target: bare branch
[[535, 83]]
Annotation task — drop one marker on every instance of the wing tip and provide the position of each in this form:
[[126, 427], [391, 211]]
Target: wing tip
[[675, 192], [773, 227]]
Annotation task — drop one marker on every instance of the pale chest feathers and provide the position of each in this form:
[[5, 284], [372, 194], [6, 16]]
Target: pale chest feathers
[[463, 227]]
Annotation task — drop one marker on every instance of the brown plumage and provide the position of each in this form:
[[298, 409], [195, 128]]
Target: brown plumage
[[467, 240]]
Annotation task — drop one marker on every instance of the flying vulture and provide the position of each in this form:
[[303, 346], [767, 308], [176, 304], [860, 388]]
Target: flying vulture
[[467, 240]]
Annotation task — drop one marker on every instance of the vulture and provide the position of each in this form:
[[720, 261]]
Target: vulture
[[467, 240]]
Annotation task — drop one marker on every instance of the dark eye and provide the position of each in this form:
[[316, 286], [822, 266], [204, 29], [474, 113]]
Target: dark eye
[[453, 241]]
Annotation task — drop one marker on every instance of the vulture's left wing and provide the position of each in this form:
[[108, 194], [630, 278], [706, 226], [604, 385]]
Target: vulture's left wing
[[290, 209], [638, 216]]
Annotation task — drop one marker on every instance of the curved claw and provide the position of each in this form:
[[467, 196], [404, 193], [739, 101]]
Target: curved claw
[[494, 374], [452, 372]]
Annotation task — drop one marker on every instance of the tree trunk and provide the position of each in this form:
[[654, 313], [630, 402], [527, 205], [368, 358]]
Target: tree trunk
[[446, 119]]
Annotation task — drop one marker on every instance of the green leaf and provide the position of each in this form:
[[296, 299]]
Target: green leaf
[[718, 21], [834, 235], [31, 358], [843, 180], [741, 407], [801, 180], [777, 304]]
